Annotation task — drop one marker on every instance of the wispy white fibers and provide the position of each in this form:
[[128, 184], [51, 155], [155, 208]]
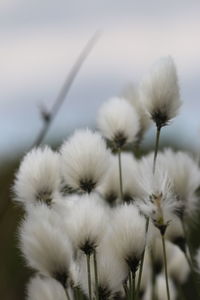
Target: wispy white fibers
[[128, 234], [84, 160], [160, 92], [110, 188], [45, 246], [118, 121], [132, 95], [87, 223], [45, 288], [160, 288], [158, 200], [112, 271], [38, 177]]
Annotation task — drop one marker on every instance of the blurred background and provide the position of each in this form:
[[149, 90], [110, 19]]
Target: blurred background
[[40, 41]]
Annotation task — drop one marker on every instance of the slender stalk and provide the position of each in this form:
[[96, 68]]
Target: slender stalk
[[141, 264], [156, 148], [133, 285], [66, 87], [165, 265], [120, 175], [96, 275], [125, 287], [89, 277], [67, 294], [129, 286]]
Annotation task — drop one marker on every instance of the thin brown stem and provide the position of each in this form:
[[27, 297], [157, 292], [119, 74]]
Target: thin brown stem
[[65, 88]]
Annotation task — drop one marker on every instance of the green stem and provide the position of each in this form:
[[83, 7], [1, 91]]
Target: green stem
[[156, 148], [96, 275], [165, 265], [120, 175], [141, 264], [67, 294], [89, 277], [129, 286]]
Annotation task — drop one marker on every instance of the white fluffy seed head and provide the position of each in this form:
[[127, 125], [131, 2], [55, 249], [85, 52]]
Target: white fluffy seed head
[[118, 121], [87, 223], [132, 95], [45, 288], [112, 271], [38, 177], [45, 246], [84, 160], [110, 187], [128, 234], [158, 200], [160, 92]]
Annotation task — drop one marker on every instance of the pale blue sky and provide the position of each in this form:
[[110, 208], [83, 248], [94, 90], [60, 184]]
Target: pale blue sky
[[40, 39]]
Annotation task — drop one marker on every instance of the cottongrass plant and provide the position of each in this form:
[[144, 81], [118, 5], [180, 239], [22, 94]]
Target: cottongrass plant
[[100, 224]]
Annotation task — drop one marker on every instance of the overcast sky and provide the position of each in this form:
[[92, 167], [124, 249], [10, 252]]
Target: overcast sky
[[40, 40]]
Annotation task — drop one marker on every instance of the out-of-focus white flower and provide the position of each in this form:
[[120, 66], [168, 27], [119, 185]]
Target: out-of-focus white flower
[[118, 121], [132, 95], [185, 175], [87, 223], [178, 268], [38, 177], [110, 188], [45, 288], [160, 288], [45, 246], [112, 272], [175, 233], [158, 200], [84, 160], [160, 92], [127, 235]]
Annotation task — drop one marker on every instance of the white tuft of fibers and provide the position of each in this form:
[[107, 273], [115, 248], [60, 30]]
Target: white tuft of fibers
[[45, 246], [38, 177], [110, 188], [158, 200], [160, 92], [84, 160], [45, 288], [132, 94], [160, 288], [87, 223], [118, 121], [128, 234]]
